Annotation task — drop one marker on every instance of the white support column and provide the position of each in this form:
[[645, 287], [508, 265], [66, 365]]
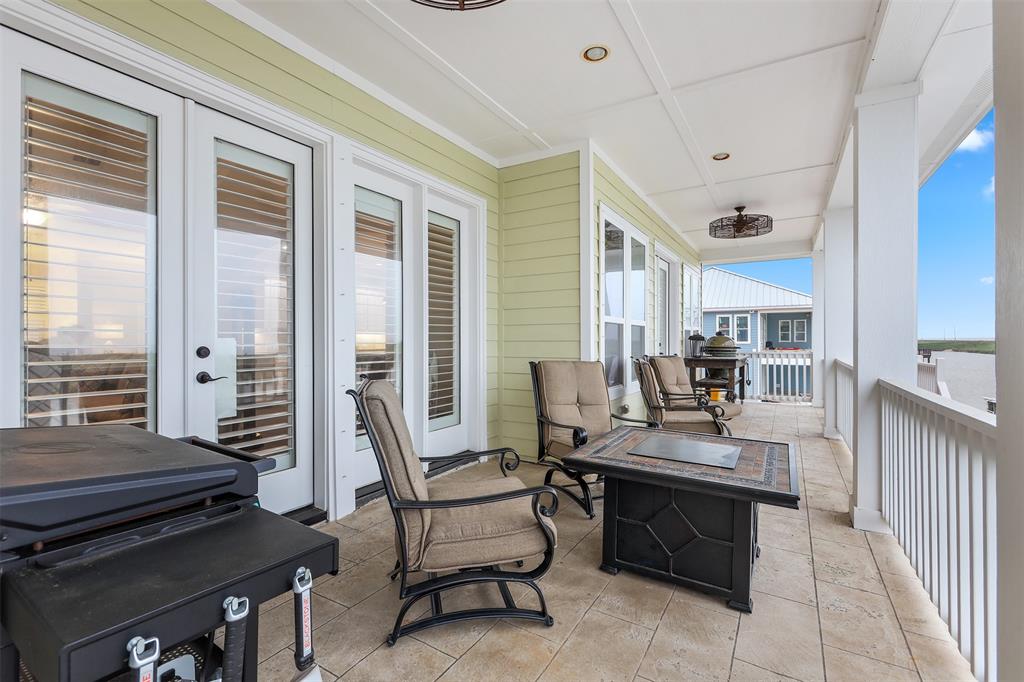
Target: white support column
[[817, 328], [1008, 27], [838, 308], [885, 190]]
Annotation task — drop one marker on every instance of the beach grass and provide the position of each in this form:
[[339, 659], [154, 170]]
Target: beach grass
[[987, 346]]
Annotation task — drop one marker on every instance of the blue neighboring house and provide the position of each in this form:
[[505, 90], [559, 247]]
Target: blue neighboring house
[[756, 314]]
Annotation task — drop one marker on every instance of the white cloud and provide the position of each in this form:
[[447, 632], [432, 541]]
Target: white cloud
[[990, 189], [988, 280], [977, 140]]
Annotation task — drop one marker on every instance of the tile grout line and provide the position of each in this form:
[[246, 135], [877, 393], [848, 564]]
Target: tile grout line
[[895, 614]]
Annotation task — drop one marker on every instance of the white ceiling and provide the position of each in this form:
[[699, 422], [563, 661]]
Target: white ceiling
[[769, 81]]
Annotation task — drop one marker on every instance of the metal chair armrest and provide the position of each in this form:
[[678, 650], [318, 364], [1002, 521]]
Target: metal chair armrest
[[646, 422], [501, 452], [534, 492], [579, 434]]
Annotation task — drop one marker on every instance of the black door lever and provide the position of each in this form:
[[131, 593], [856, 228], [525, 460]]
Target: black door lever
[[205, 378]]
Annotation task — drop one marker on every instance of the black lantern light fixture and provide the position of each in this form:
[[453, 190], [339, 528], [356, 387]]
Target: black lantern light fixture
[[458, 5], [741, 225]]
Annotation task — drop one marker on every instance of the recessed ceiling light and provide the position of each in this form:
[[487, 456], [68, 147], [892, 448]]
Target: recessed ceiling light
[[720, 156], [595, 53]]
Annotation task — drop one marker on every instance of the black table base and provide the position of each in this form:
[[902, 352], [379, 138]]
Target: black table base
[[701, 541]]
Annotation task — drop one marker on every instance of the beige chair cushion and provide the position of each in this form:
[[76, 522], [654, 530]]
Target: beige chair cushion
[[575, 393], [671, 373], [696, 421], [649, 389], [482, 535], [404, 469]]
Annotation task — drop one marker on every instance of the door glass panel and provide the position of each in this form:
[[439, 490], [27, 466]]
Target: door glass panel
[[378, 290], [613, 353], [663, 312], [638, 343], [442, 321], [89, 268], [255, 303], [613, 271], [637, 281]]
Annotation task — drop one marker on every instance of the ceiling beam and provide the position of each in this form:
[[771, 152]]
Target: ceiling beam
[[800, 248]]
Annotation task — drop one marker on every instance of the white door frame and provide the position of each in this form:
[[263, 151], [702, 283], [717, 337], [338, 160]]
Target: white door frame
[[20, 53], [675, 296]]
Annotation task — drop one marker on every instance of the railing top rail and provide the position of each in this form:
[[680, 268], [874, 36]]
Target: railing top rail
[[968, 416], [844, 364]]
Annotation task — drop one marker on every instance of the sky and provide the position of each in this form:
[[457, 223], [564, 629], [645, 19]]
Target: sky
[[956, 246]]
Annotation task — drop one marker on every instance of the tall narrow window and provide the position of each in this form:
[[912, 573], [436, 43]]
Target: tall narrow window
[[614, 303], [800, 331], [624, 315], [378, 288], [662, 319], [89, 229], [442, 321], [742, 325], [723, 323], [256, 301], [786, 331]]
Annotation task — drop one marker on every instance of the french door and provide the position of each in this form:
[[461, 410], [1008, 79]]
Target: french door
[[412, 322], [125, 272], [249, 339]]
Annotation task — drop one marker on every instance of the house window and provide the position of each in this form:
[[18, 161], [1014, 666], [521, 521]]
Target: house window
[[723, 323], [785, 331], [442, 320], [741, 323], [625, 301], [800, 331]]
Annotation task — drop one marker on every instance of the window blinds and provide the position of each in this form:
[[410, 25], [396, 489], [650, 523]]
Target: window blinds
[[443, 320]]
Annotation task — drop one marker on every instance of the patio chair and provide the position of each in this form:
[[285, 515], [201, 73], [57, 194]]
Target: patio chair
[[457, 534], [697, 416], [675, 390], [572, 404]]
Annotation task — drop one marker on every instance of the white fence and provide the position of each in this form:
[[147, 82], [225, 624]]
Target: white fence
[[846, 394], [780, 375], [938, 495]]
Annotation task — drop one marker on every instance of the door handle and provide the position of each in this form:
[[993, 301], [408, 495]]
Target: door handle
[[205, 378]]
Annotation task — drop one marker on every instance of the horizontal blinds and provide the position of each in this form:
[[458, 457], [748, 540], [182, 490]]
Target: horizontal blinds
[[443, 318], [255, 299], [88, 259], [378, 288]]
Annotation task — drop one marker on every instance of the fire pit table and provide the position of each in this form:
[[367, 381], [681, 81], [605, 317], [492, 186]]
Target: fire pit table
[[685, 510]]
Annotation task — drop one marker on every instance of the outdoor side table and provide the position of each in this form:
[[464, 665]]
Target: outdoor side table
[[689, 524]]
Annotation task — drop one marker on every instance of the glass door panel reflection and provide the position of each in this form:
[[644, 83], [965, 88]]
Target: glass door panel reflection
[[89, 259], [378, 291], [255, 303]]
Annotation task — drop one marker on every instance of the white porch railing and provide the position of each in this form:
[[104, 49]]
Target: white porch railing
[[930, 377], [845, 396], [938, 495], [780, 375]]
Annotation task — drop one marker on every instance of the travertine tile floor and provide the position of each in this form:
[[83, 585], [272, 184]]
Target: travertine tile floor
[[830, 602]]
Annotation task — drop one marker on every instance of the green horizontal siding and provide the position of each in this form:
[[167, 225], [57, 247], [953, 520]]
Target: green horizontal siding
[[540, 283]]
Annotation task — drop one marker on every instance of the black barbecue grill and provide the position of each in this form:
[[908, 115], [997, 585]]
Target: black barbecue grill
[[111, 533]]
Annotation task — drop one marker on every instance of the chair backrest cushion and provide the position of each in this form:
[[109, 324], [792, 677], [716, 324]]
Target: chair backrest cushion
[[671, 374], [399, 462], [649, 389], [576, 393]]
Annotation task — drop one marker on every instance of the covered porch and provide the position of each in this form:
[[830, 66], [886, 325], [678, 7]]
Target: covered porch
[[437, 199]]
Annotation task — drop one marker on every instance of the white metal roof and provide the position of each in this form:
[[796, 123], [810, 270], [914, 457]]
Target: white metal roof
[[725, 290]]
